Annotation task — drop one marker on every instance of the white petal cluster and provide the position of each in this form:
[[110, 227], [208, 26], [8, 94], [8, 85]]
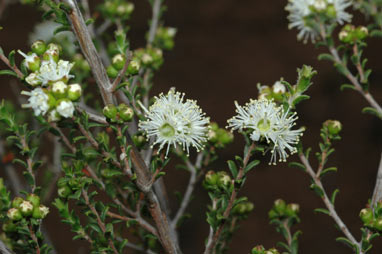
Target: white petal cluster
[[300, 10], [38, 101], [172, 121], [65, 108], [267, 120], [50, 71]]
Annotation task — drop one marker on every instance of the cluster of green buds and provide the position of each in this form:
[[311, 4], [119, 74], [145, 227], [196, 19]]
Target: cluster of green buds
[[164, 37], [67, 187], [120, 114], [49, 77], [139, 140], [27, 208], [324, 8], [120, 9], [275, 92], [217, 181], [219, 137], [118, 62], [149, 57], [243, 208], [350, 34], [281, 210], [259, 249], [372, 219]]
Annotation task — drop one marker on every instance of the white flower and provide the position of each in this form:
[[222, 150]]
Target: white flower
[[267, 120], [28, 58], [59, 87], [65, 108], [53, 116], [301, 10], [50, 71], [172, 121], [38, 101], [146, 58], [32, 79]]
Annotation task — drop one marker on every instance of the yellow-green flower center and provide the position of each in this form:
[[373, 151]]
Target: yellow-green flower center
[[167, 130], [264, 125]]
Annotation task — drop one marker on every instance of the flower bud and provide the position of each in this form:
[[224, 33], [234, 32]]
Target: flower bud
[[26, 208], [280, 206], [378, 224], [51, 54], [272, 251], [64, 191], [31, 61], [278, 89], [59, 89], [14, 214], [334, 126], [211, 178], [38, 47], [292, 209], [34, 199], [55, 47], [139, 140], [133, 67], [125, 112], [33, 80], [366, 216], [110, 111], [361, 32], [212, 136], [17, 202], [224, 137], [54, 116], [44, 210], [259, 249], [224, 179], [65, 108], [74, 92], [118, 61], [125, 9], [112, 72], [331, 11]]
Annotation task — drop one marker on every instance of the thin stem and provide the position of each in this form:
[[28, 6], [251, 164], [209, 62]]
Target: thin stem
[[377, 193], [328, 203], [288, 238], [148, 227], [214, 240], [358, 64], [369, 98], [155, 21], [34, 238], [29, 160], [98, 218], [92, 116], [122, 73], [19, 74]]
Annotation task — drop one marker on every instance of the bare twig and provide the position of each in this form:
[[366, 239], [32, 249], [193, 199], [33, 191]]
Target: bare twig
[[4, 249], [89, 50], [34, 238], [328, 203], [155, 21], [92, 116], [148, 227], [212, 241]]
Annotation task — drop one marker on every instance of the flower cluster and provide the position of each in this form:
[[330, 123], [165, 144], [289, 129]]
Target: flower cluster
[[268, 121], [372, 218], [30, 207], [172, 121], [164, 37], [304, 15], [276, 92], [49, 76]]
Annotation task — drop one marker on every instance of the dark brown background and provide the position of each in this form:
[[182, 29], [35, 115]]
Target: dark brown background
[[223, 49]]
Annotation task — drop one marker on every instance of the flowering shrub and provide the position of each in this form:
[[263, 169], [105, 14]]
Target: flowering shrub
[[111, 146]]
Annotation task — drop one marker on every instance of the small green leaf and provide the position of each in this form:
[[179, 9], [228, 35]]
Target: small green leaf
[[325, 56], [29, 178], [251, 165], [297, 165], [11, 58], [334, 195], [376, 33], [317, 189], [328, 170], [345, 241], [8, 72], [232, 167], [347, 86], [322, 210], [62, 29], [89, 21], [373, 111]]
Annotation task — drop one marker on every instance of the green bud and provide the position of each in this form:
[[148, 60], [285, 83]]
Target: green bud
[[34, 199], [112, 72], [125, 9], [292, 209], [280, 206], [366, 216], [64, 191], [211, 178], [361, 32], [334, 126], [44, 210], [378, 224], [37, 214], [139, 140], [38, 47], [110, 111], [32, 79], [17, 202], [272, 214], [52, 102], [26, 208], [74, 92], [51, 54], [133, 67], [14, 214], [125, 112], [118, 61], [212, 136], [224, 179], [55, 47], [224, 137], [259, 249], [59, 90], [239, 209], [331, 11]]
